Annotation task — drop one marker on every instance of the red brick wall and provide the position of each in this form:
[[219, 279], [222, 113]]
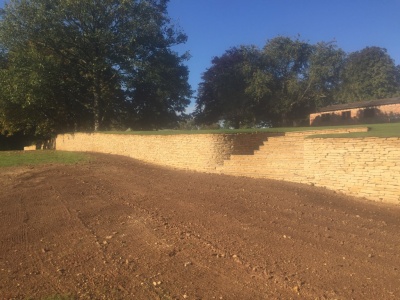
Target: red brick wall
[[383, 113]]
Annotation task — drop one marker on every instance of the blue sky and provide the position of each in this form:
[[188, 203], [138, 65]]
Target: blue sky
[[214, 26]]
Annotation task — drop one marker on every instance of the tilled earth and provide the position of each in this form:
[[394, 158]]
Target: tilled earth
[[116, 228]]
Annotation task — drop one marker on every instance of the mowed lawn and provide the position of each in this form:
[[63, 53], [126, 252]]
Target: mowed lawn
[[21, 158], [375, 130]]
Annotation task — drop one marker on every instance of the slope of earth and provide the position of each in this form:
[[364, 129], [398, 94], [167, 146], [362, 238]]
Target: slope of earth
[[115, 228]]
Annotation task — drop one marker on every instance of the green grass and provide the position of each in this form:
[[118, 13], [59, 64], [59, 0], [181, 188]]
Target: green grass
[[176, 132], [375, 130], [20, 158], [224, 131]]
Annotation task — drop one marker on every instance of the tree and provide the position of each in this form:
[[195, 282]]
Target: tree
[[398, 78], [280, 84], [368, 74], [326, 63], [223, 94], [39, 95], [287, 62], [305, 76], [294, 78], [288, 79], [96, 54], [160, 89]]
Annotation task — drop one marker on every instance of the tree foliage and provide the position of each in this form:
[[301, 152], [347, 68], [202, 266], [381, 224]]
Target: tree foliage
[[33, 98], [287, 61], [90, 65], [223, 92], [288, 79], [368, 74], [282, 82]]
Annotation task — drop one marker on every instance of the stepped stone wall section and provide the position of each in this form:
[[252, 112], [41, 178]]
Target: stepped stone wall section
[[280, 158], [363, 167], [200, 152]]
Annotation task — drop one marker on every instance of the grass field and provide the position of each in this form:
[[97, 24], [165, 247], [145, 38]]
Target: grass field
[[19, 158], [375, 130]]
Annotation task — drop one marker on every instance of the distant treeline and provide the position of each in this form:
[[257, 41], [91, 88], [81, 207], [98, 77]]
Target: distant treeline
[[287, 79], [87, 65]]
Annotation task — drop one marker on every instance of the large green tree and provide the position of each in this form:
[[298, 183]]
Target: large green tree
[[30, 100], [223, 93], [84, 62], [287, 61], [160, 89], [281, 83], [323, 80], [304, 77], [368, 74]]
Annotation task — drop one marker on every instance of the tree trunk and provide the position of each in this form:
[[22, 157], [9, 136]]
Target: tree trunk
[[236, 123], [96, 104]]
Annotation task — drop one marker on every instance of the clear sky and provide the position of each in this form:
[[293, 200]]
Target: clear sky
[[214, 26]]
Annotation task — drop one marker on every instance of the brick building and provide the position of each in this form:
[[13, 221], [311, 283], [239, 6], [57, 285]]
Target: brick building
[[373, 111]]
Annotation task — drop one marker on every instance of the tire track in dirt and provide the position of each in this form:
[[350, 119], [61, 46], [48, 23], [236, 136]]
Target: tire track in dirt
[[119, 229], [230, 260], [158, 223], [86, 237], [236, 262], [106, 268], [288, 227], [23, 239]]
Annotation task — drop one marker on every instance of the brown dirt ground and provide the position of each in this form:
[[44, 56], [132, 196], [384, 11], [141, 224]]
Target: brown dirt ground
[[116, 228]]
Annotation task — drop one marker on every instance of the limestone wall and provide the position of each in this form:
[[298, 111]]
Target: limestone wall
[[201, 152], [364, 167]]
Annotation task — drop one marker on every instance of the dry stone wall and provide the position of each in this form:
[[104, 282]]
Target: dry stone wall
[[200, 152], [363, 167]]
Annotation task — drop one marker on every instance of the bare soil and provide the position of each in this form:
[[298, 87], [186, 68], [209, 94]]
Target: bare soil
[[116, 228]]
